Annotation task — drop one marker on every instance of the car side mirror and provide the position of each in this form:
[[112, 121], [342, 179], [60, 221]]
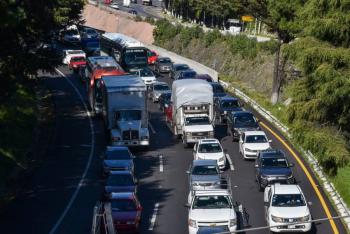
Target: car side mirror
[[187, 205], [133, 156], [187, 172], [136, 181], [166, 105], [270, 141], [291, 165], [256, 165], [266, 204], [139, 208], [309, 203]]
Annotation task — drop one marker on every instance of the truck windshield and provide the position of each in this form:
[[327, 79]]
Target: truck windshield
[[197, 121], [128, 115], [230, 104], [212, 202], [288, 200]]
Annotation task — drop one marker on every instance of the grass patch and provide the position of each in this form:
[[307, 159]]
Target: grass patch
[[342, 183], [17, 121]]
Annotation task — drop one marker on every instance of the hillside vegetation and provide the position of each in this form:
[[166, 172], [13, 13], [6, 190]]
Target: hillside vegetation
[[312, 37]]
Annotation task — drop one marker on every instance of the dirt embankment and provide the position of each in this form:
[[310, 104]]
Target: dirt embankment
[[121, 22]]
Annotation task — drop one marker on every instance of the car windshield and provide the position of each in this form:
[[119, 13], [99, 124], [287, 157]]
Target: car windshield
[[245, 120], [255, 139], [161, 87], [120, 180], [211, 202], [71, 32], [77, 59], [75, 52], [123, 205], [288, 200], [190, 74], [117, 155], [209, 148], [181, 67], [164, 60], [274, 162], [230, 104], [151, 53], [145, 72], [128, 115], [197, 121], [205, 170]]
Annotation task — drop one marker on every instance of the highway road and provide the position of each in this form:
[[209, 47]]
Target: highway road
[[60, 193]]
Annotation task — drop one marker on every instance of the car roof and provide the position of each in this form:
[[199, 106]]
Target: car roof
[[287, 189], [208, 140], [254, 133], [122, 195], [272, 153], [206, 162], [120, 173]]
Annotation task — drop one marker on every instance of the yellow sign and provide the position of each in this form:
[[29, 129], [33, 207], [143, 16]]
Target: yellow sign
[[247, 18]]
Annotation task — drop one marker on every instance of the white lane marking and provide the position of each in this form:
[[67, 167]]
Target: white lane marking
[[161, 163], [232, 168], [152, 128], [92, 149], [154, 217]]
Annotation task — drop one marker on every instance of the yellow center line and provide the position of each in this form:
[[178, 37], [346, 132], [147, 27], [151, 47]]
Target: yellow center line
[[308, 175]]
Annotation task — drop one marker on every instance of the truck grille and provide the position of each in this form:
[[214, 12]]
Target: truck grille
[[200, 134], [130, 135]]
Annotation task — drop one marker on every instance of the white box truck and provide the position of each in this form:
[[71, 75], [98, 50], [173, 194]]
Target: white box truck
[[192, 110], [124, 110]]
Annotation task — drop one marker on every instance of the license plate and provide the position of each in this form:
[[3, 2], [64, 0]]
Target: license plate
[[291, 226]]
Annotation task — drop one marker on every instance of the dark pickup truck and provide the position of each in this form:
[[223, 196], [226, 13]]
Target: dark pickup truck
[[225, 105]]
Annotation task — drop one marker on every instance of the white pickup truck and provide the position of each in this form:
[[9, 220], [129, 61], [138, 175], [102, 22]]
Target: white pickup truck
[[192, 110], [286, 209], [209, 208]]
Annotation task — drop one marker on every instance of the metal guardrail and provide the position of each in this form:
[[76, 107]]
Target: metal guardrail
[[341, 207], [102, 221]]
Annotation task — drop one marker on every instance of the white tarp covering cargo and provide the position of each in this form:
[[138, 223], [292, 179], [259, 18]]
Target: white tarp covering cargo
[[191, 92]]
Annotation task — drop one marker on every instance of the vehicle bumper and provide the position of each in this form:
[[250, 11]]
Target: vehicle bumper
[[192, 230], [250, 155], [304, 227], [131, 143]]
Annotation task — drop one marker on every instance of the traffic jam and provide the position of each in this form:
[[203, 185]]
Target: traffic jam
[[121, 77]]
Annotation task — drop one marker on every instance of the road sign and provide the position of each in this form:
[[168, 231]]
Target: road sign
[[247, 18]]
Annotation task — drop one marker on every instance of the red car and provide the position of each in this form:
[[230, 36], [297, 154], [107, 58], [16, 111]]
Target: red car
[[126, 212], [76, 63], [152, 57]]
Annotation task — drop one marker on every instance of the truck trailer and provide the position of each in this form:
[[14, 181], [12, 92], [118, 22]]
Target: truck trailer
[[124, 110], [192, 110]]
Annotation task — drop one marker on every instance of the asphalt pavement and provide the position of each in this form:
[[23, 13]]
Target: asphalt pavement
[[60, 194]]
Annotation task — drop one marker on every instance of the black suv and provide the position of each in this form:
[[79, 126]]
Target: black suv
[[225, 105], [272, 166], [241, 121]]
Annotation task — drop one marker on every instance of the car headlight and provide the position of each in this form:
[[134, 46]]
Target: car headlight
[[233, 222], [305, 218], [192, 223], [222, 159], [249, 150], [276, 219]]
